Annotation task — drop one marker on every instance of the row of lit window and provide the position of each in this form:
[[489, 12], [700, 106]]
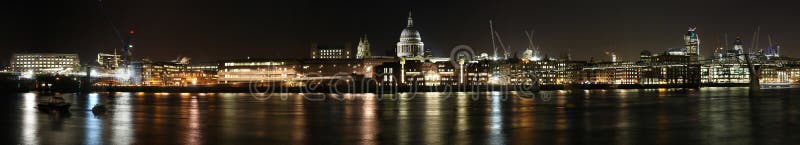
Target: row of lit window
[[251, 70], [330, 50], [42, 62], [254, 63], [202, 67], [45, 59], [51, 66], [45, 56]]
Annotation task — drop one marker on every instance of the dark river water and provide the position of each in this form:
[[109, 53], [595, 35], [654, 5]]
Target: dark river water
[[636, 117]]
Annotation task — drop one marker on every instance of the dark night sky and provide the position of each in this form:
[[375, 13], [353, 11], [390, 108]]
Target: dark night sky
[[211, 30]]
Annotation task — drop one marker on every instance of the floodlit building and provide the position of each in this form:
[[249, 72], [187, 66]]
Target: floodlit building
[[410, 44], [48, 63], [363, 50]]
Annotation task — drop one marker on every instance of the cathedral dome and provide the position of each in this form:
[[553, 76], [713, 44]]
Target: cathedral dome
[[410, 34], [410, 44]]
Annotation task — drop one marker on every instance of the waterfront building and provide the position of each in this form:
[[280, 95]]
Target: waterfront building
[[388, 74], [478, 72], [612, 73], [670, 68], [417, 72], [244, 71], [725, 73], [561, 72], [363, 50], [46, 63], [330, 52], [148, 73], [330, 67], [410, 44], [200, 74]]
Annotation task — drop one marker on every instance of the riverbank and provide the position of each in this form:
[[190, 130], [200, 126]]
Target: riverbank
[[386, 89]]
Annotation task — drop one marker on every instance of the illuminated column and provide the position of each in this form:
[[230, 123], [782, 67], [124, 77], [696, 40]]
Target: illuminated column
[[402, 70], [461, 71]]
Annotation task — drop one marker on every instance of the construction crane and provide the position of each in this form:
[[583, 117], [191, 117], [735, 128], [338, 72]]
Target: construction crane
[[535, 52], [494, 34], [127, 43]]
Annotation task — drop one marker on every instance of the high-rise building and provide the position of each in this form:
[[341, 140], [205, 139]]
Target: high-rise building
[[45, 63], [410, 44], [363, 48], [738, 48], [692, 42]]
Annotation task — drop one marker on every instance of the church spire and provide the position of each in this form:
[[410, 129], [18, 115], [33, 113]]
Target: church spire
[[410, 20]]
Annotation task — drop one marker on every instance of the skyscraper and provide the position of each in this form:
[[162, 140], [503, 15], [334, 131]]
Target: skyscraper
[[363, 48], [738, 47], [692, 42], [410, 44]]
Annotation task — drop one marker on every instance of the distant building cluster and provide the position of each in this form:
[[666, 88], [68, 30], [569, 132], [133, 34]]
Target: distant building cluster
[[414, 65]]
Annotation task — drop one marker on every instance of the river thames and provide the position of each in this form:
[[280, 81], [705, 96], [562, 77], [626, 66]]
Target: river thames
[[622, 116]]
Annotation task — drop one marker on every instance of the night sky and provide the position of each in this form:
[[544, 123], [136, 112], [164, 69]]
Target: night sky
[[220, 29]]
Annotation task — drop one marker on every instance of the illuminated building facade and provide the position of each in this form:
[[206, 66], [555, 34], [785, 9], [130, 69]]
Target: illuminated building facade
[[48, 63], [417, 72], [669, 69], [559, 72], [257, 70], [147, 73], [200, 74], [331, 52], [612, 73]]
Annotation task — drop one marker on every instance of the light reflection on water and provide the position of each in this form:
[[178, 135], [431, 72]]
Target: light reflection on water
[[93, 124], [29, 119], [646, 116], [121, 119]]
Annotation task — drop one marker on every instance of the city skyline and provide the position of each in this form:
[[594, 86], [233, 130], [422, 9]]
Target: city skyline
[[170, 29]]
